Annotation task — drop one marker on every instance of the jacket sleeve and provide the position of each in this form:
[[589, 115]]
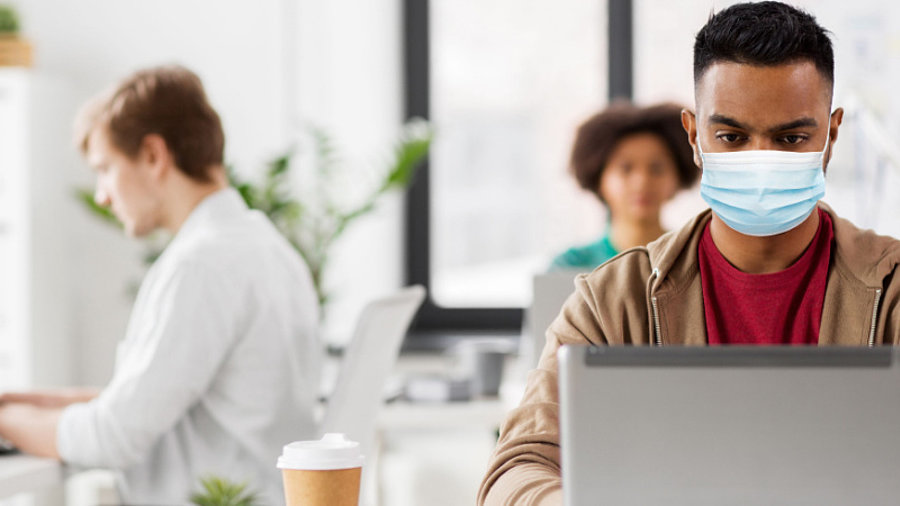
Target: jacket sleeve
[[525, 466]]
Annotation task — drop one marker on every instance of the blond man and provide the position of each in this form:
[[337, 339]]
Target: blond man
[[217, 368]]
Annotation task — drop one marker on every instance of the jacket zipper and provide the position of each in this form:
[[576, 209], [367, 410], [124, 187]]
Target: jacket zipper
[[874, 316], [656, 321], [658, 337]]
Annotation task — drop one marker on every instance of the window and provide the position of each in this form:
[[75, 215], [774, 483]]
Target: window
[[505, 83]]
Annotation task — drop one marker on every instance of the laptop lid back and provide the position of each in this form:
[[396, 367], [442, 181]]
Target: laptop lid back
[[730, 426]]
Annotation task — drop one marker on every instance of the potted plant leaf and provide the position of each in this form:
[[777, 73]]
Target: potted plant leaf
[[14, 50]]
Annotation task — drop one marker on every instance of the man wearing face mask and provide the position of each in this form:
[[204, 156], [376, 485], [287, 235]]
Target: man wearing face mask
[[768, 264]]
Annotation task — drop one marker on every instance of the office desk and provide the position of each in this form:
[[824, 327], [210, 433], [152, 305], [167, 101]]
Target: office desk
[[24, 473]]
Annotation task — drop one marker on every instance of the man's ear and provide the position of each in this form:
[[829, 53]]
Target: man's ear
[[156, 155], [689, 122], [834, 123]]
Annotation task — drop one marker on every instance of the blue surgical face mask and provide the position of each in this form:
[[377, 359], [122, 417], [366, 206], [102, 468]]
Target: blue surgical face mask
[[763, 193]]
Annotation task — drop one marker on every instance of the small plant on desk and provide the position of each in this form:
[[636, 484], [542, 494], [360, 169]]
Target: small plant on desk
[[221, 492]]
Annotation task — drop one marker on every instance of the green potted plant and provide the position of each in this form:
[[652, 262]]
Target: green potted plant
[[313, 213], [14, 50], [221, 492]]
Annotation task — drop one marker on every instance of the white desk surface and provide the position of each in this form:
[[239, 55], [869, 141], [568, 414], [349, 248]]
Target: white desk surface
[[482, 413], [24, 473]]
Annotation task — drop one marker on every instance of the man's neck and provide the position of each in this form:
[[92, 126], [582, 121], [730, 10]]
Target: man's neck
[[628, 234], [763, 255], [183, 198]]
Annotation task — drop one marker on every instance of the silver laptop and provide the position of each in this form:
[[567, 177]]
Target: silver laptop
[[712, 426]]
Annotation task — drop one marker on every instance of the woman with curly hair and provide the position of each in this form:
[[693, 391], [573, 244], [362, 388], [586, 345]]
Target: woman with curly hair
[[634, 160]]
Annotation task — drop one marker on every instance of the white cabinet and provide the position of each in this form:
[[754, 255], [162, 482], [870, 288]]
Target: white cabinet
[[15, 230], [36, 157]]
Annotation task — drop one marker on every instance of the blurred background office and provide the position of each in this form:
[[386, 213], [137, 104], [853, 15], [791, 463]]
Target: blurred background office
[[504, 83]]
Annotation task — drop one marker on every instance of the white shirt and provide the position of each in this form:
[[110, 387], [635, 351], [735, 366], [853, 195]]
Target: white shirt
[[218, 368]]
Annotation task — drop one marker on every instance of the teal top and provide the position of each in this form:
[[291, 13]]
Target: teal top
[[585, 258]]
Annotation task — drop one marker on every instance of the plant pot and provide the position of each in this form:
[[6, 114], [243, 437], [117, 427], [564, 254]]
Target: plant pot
[[14, 51]]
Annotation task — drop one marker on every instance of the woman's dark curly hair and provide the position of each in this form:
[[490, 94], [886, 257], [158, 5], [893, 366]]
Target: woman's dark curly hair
[[598, 137]]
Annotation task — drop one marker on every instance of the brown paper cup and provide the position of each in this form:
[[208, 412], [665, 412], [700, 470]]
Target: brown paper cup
[[339, 487], [323, 472]]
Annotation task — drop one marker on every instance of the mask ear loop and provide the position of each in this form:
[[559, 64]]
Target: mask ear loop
[[697, 139], [827, 138], [827, 131]]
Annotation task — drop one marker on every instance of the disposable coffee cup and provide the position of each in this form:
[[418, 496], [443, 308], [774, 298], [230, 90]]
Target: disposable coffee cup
[[323, 472]]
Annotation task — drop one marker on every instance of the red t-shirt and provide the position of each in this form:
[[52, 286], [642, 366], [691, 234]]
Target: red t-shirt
[[765, 309]]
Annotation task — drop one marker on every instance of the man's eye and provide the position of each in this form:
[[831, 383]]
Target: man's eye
[[730, 137], [793, 139]]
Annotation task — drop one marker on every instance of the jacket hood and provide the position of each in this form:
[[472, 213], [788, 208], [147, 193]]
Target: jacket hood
[[868, 256], [673, 255]]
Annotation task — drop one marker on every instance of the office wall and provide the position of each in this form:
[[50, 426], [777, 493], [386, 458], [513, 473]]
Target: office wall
[[268, 66], [350, 81]]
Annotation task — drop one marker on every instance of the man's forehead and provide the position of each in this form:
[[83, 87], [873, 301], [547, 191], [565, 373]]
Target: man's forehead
[[771, 94]]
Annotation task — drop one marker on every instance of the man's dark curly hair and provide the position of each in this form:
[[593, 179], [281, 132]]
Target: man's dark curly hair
[[598, 137], [763, 33]]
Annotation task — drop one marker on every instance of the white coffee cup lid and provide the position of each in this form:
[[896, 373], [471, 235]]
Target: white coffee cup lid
[[333, 451]]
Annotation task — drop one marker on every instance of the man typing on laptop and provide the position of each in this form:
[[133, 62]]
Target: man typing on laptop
[[768, 264], [218, 366]]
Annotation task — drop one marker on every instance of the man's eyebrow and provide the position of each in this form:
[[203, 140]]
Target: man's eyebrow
[[725, 120], [797, 123], [790, 125]]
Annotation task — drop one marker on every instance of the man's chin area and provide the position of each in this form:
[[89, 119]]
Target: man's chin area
[[136, 232]]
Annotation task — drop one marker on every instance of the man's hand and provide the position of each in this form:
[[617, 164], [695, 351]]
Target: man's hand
[[50, 398], [30, 428]]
